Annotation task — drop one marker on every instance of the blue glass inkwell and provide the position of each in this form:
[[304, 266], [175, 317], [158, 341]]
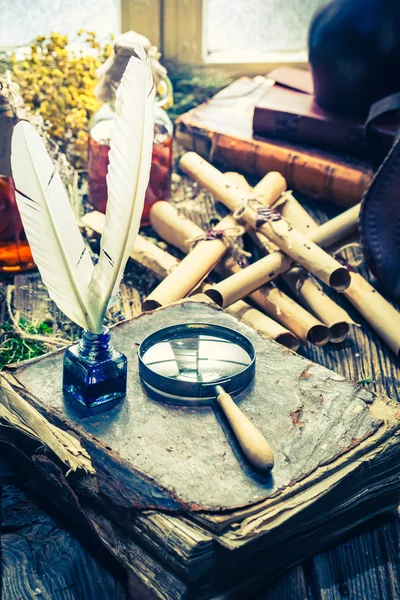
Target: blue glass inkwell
[[94, 372]]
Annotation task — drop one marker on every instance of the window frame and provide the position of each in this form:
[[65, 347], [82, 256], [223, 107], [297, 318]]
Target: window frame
[[176, 28], [143, 16]]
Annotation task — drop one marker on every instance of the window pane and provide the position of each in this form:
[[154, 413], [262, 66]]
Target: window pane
[[258, 25], [22, 20]]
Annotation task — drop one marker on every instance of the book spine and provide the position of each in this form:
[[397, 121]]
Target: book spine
[[336, 136], [323, 178]]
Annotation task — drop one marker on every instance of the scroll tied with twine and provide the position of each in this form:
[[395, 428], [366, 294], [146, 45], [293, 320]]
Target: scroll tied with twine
[[276, 304], [302, 284], [207, 248], [280, 232]]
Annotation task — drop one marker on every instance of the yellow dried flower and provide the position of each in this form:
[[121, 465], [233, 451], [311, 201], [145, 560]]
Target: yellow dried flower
[[59, 84]]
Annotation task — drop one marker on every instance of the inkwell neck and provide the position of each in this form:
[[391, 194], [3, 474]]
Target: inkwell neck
[[94, 347]]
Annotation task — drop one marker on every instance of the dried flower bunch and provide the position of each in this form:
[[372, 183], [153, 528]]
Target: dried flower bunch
[[69, 175], [58, 83]]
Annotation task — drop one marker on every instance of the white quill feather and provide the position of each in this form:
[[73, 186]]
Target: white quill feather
[[56, 243], [79, 290], [130, 154]]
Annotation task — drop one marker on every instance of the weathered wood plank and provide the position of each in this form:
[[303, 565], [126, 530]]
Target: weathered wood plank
[[291, 586], [328, 582], [41, 559], [367, 566]]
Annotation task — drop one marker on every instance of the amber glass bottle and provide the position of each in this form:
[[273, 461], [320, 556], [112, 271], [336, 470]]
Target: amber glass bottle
[[15, 254]]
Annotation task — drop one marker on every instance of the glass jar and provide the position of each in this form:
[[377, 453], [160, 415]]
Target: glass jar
[[94, 373], [161, 164], [15, 254]]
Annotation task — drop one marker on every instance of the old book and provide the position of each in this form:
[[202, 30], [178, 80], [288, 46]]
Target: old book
[[287, 112], [167, 491], [221, 131]]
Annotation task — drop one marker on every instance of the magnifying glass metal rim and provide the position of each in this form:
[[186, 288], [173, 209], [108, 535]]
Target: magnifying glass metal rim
[[177, 391]]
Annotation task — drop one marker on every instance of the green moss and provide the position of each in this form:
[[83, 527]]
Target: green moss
[[14, 348]]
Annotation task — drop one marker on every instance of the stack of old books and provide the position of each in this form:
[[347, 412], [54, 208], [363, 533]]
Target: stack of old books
[[167, 490], [273, 124]]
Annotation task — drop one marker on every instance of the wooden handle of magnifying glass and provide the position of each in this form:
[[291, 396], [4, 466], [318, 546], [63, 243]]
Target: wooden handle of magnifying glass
[[251, 440]]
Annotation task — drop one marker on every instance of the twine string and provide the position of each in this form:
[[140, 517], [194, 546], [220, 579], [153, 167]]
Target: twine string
[[265, 214], [351, 263], [229, 236]]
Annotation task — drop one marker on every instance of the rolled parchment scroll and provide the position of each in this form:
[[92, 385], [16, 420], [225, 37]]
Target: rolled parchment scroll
[[207, 249], [375, 309], [268, 268], [302, 284], [264, 324], [314, 299], [292, 315], [244, 205], [173, 229]]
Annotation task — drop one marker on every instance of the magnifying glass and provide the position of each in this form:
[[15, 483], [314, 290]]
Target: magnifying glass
[[196, 364]]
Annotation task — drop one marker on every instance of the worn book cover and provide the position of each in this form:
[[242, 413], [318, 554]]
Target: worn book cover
[[221, 130], [286, 111]]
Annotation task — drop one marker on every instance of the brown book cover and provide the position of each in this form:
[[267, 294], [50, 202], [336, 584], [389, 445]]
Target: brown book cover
[[221, 131], [287, 111]]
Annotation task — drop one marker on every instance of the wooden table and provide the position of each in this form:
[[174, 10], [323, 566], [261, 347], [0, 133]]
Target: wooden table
[[44, 557]]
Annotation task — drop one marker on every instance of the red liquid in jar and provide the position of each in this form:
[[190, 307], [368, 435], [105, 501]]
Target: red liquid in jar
[[160, 175], [15, 253], [97, 172]]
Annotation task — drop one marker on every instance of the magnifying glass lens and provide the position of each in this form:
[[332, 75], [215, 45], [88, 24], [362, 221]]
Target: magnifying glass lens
[[197, 358]]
